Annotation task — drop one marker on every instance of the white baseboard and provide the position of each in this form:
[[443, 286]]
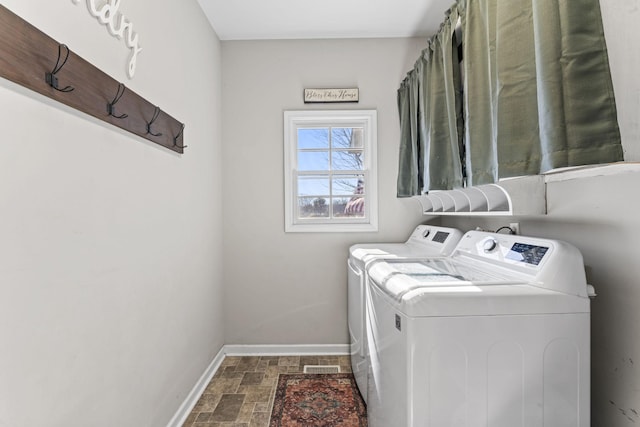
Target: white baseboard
[[287, 350], [249, 350], [192, 398]]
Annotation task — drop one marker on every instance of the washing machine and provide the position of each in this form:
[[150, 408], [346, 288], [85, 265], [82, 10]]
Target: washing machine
[[426, 240], [495, 335]]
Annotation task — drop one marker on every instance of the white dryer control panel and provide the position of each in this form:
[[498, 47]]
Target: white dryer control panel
[[551, 263], [439, 240]]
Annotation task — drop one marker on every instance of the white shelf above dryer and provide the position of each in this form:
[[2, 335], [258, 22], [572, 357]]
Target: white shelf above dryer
[[513, 196], [525, 195]]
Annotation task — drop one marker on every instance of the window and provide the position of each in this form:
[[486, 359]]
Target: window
[[330, 176]]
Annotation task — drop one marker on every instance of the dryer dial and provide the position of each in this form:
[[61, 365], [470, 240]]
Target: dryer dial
[[489, 245]]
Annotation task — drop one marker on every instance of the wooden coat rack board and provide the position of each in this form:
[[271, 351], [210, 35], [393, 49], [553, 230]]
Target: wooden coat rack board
[[34, 60]]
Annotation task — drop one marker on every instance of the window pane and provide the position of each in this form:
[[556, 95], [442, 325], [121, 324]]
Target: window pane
[[313, 207], [313, 138], [313, 186], [313, 160], [347, 137], [348, 185], [344, 207], [347, 160]]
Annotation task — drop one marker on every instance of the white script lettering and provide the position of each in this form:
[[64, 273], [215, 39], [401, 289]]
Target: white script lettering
[[118, 26]]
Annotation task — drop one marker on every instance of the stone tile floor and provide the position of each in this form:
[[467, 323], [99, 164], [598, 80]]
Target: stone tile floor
[[241, 392]]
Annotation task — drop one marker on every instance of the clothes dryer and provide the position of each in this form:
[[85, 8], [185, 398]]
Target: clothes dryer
[[495, 335], [426, 240]]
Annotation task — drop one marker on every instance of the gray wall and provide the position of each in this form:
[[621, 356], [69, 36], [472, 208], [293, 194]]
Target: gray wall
[[599, 215], [110, 246], [291, 288]]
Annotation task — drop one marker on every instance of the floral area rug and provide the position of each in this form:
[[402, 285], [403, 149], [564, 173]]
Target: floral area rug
[[318, 400]]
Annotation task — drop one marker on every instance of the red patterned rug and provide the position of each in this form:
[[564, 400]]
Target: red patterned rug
[[318, 400]]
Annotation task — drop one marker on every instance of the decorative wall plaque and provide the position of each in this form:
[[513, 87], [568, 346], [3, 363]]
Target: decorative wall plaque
[[331, 95]]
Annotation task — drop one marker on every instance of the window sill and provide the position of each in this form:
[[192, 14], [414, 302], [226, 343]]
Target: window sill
[[331, 228]]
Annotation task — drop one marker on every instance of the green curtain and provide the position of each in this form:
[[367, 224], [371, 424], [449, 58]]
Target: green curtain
[[440, 109], [430, 94], [537, 93], [411, 152]]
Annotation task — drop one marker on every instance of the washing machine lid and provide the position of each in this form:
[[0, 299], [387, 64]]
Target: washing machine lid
[[364, 253], [446, 287], [444, 271], [425, 240]]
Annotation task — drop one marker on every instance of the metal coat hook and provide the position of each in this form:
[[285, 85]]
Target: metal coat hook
[[156, 113], [175, 140], [111, 105], [51, 78]]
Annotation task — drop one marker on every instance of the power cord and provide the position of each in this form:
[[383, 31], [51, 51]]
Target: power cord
[[505, 227]]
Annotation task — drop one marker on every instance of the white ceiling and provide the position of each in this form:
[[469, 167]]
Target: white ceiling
[[307, 19]]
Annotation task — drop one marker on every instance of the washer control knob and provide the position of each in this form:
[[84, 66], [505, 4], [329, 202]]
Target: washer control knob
[[489, 245]]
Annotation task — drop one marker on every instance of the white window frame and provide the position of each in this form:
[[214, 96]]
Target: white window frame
[[293, 120]]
